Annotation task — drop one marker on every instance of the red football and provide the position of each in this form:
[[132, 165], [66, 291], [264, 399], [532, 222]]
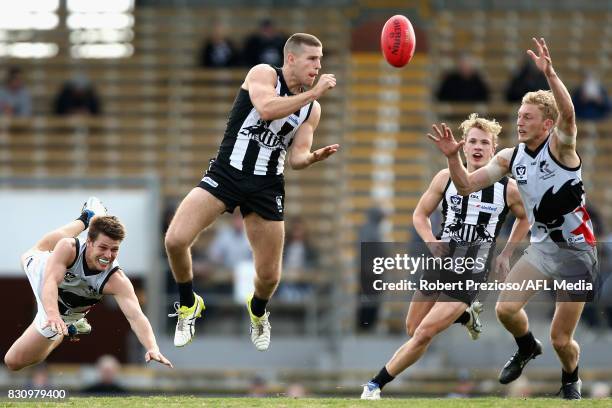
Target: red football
[[397, 41]]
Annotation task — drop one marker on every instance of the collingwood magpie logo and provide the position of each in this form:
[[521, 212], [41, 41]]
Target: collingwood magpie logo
[[69, 277], [263, 135], [279, 203]]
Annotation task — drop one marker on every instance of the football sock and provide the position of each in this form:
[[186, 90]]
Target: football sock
[[525, 343], [567, 378], [382, 378], [258, 306], [186, 294], [464, 318], [84, 218]]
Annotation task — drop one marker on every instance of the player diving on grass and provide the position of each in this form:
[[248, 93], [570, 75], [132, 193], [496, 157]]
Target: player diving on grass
[[68, 277], [470, 225], [548, 174]]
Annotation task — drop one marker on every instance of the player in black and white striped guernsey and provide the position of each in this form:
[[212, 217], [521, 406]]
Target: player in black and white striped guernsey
[[469, 222], [547, 169], [273, 114], [68, 277]]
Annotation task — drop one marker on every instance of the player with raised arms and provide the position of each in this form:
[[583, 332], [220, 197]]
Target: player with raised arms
[[548, 173]]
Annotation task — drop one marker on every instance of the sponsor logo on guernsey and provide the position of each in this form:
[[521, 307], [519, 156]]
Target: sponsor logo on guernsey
[[210, 181], [488, 208], [294, 119]]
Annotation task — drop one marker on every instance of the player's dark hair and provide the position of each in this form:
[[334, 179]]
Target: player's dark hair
[[108, 225], [295, 42]]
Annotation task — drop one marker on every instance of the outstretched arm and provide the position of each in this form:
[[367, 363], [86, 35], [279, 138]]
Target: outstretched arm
[[300, 155], [465, 182], [62, 256], [566, 124], [121, 288], [260, 82]]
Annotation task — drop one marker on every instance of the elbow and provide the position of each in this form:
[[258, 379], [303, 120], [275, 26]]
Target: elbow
[[265, 113], [463, 191]]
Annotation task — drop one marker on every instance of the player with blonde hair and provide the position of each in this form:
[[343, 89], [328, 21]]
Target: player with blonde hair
[[548, 173], [470, 225]]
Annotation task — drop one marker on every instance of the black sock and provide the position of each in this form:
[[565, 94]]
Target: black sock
[[258, 306], [186, 294], [84, 218], [525, 343], [382, 378], [567, 378], [464, 318]]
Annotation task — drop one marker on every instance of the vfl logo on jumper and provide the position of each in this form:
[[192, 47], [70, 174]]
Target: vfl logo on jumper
[[545, 171], [521, 174], [279, 203], [261, 133], [456, 203]]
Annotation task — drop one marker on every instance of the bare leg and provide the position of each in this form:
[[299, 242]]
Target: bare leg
[[565, 320], [49, 240], [31, 348], [267, 239], [198, 210], [419, 307], [510, 304], [441, 316]]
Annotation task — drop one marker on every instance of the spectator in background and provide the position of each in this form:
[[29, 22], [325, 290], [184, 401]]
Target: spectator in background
[[370, 231], [299, 253], [218, 51], [590, 98], [77, 97], [264, 46], [230, 245], [528, 78], [108, 368], [40, 378], [463, 84], [15, 99]]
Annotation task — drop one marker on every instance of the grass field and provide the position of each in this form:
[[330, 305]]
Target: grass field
[[309, 402]]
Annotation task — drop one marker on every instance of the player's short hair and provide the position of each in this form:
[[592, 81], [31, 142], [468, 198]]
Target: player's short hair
[[545, 101], [295, 42], [108, 225], [491, 126]]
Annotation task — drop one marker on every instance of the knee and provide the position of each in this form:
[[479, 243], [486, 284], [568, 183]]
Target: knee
[[504, 310], [560, 341], [174, 243], [12, 363], [423, 335], [269, 280], [410, 329]]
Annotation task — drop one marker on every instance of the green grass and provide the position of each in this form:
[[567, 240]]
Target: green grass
[[182, 401]]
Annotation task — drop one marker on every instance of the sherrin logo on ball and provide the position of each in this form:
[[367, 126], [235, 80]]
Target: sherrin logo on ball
[[397, 41]]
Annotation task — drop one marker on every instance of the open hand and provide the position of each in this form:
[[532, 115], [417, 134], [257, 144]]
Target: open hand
[[157, 356], [542, 59], [445, 140], [324, 152]]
